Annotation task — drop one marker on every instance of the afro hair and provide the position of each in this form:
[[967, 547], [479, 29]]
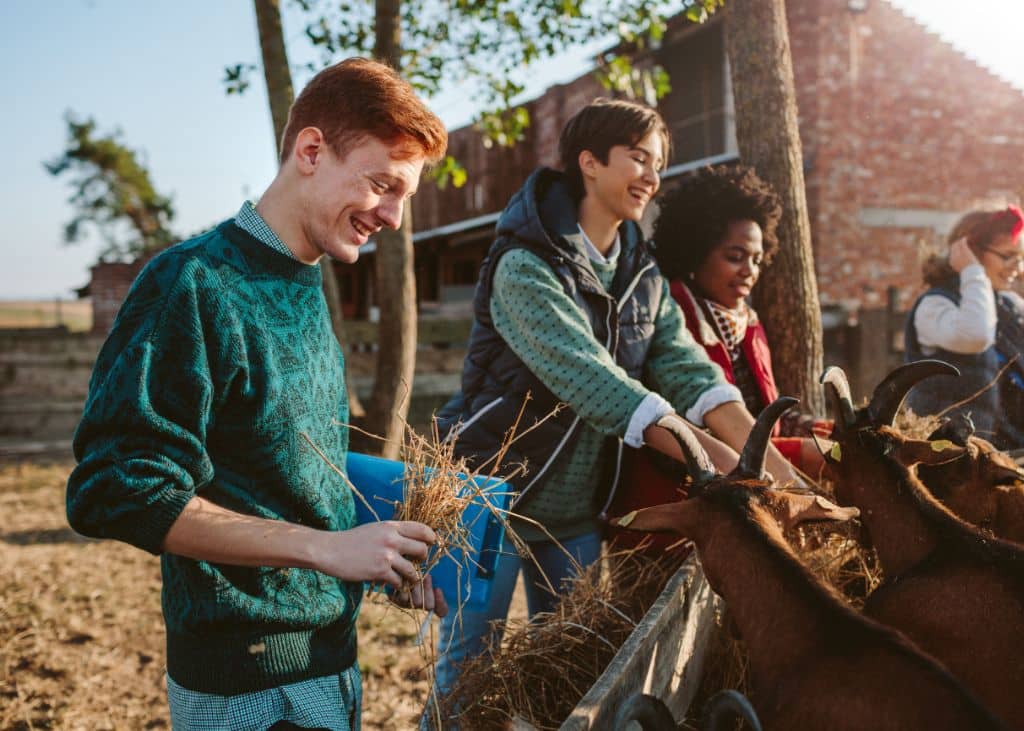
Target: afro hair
[[695, 216]]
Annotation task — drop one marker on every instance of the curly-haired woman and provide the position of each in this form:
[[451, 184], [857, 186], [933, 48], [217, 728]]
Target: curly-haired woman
[[715, 231], [970, 318]]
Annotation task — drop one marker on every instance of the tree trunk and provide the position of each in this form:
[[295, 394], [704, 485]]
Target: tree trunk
[[275, 65], [786, 298], [396, 285], [280, 94]]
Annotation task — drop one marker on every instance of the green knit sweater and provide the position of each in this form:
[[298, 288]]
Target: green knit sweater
[[528, 304], [220, 359]]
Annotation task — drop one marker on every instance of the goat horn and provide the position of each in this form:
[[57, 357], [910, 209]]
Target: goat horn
[[751, 462], [837, 391], [724, 707], [890, 393], [698, 463]]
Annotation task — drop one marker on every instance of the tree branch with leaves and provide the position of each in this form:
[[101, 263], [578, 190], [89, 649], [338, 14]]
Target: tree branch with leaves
[[112, 193]]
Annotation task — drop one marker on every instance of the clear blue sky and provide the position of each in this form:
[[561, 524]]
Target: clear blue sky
[[154, 70]]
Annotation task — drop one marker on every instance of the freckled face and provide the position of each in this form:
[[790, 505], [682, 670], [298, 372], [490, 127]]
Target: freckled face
[[627, 183], [351, 198], [730, 270]]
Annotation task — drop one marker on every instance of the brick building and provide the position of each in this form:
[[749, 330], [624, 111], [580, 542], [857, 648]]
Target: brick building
[[109, 282], [901, 132]]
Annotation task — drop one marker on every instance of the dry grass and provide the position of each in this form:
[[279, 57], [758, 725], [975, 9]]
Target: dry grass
[[543, 666], [82, 637], [917, 427], [74, 314]]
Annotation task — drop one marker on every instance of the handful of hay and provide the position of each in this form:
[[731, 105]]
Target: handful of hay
[[437, 487], [544, 666]]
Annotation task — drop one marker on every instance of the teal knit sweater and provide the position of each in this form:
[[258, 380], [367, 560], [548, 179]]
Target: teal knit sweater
[[528, 304], [220, 359]]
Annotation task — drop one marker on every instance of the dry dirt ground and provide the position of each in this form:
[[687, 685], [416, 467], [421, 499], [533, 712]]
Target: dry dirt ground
[[74, 314], [82, 640]]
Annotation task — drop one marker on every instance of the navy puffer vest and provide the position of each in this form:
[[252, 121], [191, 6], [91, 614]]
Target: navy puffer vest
[[977, 370], [542, 218]]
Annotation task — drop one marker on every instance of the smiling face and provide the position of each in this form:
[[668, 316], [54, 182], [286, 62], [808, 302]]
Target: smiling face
[[730, 270], [1002, 259], [624, 186], [348, 199]]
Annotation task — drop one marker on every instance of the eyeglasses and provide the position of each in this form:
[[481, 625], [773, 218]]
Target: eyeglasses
[[1015, 259]]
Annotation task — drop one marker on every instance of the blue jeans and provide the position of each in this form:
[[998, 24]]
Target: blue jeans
[[461, 640]]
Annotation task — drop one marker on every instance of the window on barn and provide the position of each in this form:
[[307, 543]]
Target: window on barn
[[699, 109]]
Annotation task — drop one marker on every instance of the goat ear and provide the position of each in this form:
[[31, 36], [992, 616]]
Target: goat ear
[[670, 517], [802, 508], [1000, 469], [915, 451]]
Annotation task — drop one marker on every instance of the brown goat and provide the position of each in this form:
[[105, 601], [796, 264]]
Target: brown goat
[[815, 663], [983, 487], [955, 590]]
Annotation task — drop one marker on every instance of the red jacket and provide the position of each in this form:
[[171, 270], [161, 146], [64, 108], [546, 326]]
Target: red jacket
[[644, 484], [755, 344]]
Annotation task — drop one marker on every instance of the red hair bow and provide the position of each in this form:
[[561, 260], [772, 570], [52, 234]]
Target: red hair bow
[[1018, 217]]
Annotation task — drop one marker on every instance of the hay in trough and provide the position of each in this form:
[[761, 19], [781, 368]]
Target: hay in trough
[[835, 554], [917, 426], [541, 668]]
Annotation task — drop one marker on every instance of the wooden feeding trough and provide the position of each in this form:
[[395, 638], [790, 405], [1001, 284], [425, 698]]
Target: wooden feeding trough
[[663, 657]]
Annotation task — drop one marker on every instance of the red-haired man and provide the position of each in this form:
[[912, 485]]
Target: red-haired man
[[191, 445]]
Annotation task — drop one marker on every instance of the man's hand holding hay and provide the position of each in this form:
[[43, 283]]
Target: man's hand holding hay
[[386, 553], [377, 553]]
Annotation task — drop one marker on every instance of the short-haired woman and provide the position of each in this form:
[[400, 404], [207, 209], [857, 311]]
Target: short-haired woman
[[570, 309]]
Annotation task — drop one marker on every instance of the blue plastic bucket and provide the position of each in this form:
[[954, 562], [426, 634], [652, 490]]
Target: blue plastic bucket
[[464, 579]]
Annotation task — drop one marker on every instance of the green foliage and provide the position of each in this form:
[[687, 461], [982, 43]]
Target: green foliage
[[112, 192], [699, 12], [449, 170], [489, 47], [236, 78]]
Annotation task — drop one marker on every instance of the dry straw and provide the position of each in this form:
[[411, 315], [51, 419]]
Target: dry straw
[[539, 669], [437, 488], [835, 554]]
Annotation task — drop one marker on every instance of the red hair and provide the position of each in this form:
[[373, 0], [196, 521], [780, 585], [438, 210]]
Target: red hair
[[360, 97]]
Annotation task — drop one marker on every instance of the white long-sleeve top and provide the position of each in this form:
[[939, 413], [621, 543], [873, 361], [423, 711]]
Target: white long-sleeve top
[[967, 328]]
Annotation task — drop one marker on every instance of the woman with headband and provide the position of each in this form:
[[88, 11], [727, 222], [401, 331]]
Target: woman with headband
[[970, 317]]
